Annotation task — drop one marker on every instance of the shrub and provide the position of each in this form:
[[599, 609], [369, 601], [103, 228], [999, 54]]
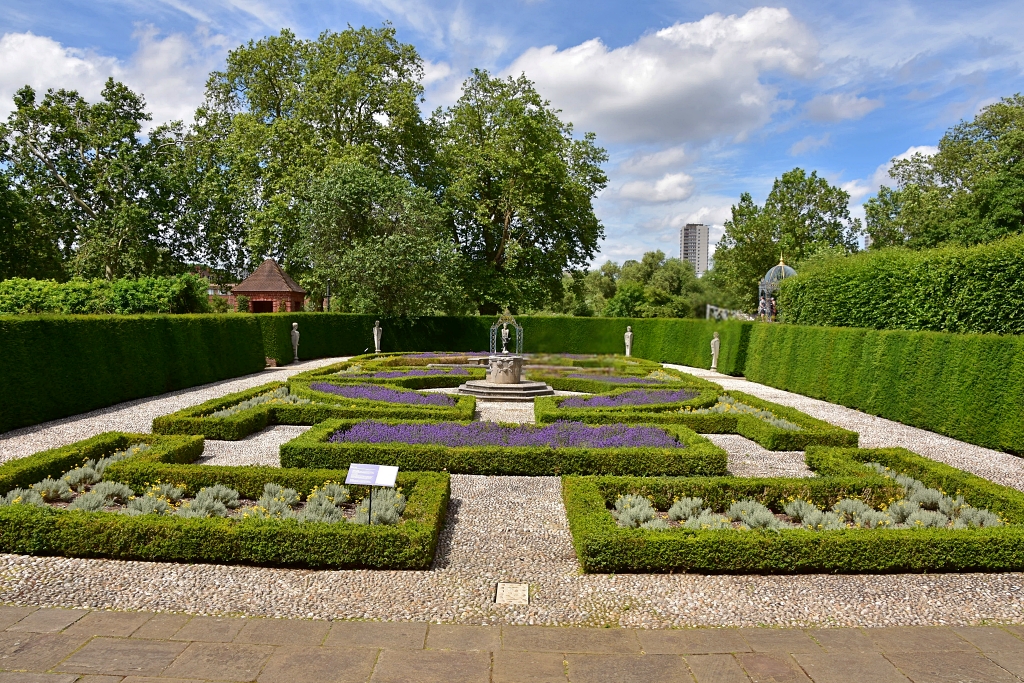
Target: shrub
[[969, 387], [703, 544], [179, 294], [313, 449]]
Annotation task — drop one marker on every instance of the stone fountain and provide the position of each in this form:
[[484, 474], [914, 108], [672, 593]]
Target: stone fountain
[[504, 379]]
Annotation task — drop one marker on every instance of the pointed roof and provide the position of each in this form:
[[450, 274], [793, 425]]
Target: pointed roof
[[268, 278]]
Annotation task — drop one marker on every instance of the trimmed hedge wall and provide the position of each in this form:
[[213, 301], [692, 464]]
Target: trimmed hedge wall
[[969, 387], [700, 457], [604, 547], [23, 472], [196, 420], [52, 367], [953, 289]]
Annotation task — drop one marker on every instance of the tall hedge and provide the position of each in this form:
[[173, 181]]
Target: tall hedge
[[967, 386], [52, 367], [669, 340], [952, 289]]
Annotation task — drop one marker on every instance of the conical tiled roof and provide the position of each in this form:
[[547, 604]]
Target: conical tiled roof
[[268, 278]]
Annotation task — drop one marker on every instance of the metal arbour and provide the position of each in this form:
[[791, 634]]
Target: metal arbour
[[507, 319]]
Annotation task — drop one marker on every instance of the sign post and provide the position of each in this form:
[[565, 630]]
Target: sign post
[[371, 475]]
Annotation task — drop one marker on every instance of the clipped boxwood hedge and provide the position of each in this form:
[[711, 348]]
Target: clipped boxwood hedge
[[28, 529], [604, 547], [23, 472], [197, 420], [699, 457], [813, 432]]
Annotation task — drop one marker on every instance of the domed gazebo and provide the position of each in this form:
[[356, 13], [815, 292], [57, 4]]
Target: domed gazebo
[[768, 288]]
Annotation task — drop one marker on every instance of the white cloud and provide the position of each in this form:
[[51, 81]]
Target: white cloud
[[839, 106], [881, 175], [690, 81], [652, 163], [170, 71], [809, 144], [672, 187]]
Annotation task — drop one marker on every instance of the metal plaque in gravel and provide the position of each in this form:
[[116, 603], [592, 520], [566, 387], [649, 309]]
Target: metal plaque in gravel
[[512, 594]]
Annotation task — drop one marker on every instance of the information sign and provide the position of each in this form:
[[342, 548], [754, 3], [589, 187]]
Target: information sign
[[371, 475]]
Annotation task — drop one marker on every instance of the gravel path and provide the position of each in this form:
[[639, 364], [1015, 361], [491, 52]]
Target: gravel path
[[261, 448], [135, 416], [878, 432], [749, 459]]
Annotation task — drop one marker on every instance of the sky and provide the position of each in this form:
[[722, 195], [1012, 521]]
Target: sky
[[696, 102]]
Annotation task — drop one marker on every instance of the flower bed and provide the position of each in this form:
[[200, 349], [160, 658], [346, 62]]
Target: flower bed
[[682, 452], [415, 372], [289, 523], [371, 392], [634, 397], [558, 435], [811, 432], [199, 420], [753, 542]]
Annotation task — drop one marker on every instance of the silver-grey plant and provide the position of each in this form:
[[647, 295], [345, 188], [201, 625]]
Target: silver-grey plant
[[224, 495], [631, 510], [89, 502], [147, 505], [113, 491], [684, 508], [53, 490]]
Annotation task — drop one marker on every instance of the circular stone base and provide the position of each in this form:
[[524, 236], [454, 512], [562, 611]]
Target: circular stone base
[[491, 391]]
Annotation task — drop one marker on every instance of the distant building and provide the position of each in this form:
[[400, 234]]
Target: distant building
[[693, 246], [270, 290]]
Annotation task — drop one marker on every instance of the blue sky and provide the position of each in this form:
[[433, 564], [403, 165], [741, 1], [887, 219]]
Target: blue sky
[[696, 102]]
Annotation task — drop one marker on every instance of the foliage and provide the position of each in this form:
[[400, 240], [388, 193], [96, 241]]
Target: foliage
[[179, 294], [519, 188], [279, 396], [951, 289], [704, 544], [971, 191], [802, 215], [108, 195], [53, 367], [729, 404], [29, 245], [313, 449], [969, 387], [387, 507]]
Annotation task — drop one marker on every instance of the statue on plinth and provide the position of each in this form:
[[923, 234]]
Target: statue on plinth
[[295, 341], [629, 340], [716, 344], [504, 338], [378, 332]]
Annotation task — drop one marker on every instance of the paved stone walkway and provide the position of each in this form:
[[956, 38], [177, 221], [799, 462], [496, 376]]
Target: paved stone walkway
[[64, 646]]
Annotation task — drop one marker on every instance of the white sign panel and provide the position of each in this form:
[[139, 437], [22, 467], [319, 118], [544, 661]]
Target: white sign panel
[[371, 475]]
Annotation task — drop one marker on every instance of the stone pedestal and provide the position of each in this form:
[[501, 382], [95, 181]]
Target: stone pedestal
[[504, 369]]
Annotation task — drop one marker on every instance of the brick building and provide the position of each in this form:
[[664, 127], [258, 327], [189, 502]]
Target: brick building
[[270, 290]]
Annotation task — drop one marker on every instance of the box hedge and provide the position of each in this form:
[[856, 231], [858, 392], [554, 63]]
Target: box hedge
[[699, 457], [604, 547], [969, 387], [813, 432], [197, 420], [27, 529], [53, 367]]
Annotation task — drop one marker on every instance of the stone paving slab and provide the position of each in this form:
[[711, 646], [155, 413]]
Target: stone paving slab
[[354, 651]]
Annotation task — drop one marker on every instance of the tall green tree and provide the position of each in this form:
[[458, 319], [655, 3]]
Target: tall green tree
[[971, 191], [803, 215], [283, 109], [381, 243], [108, 194], [519, 188]]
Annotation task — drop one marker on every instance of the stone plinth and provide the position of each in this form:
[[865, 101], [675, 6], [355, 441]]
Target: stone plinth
[[491, 391], [504, 369]]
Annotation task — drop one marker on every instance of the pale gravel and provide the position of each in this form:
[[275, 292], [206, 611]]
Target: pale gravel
[[515, 529], [749, 459], [136, 416], [261, 448], [878, 432]]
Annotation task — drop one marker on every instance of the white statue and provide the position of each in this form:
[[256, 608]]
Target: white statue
[[504, 338], [378, 331], [295, 340], [629, 340], [716, 344]]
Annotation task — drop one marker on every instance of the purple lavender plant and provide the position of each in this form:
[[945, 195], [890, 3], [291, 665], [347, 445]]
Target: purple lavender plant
[[636, 397], [616, 379], [449, 354], [372, 392], [557, 435]]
